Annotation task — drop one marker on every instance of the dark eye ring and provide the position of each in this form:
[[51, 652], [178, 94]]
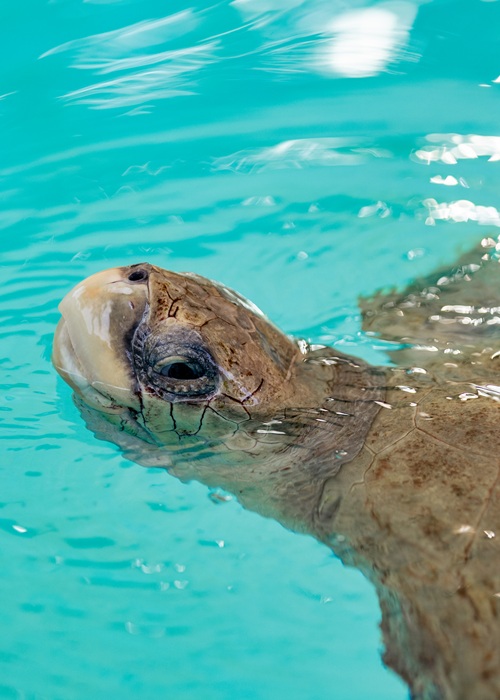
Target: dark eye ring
[[139, 275]]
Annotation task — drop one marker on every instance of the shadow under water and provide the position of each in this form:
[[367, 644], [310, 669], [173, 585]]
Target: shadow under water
[[395, 468]]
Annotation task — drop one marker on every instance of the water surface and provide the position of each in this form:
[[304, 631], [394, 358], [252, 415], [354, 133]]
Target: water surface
[[304, 153]]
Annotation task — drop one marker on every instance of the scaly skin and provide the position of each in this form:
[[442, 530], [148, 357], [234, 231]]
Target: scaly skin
[[398, 471]]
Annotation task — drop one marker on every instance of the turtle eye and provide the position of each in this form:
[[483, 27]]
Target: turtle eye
[[185, 376], [180, 368], [174, 363]]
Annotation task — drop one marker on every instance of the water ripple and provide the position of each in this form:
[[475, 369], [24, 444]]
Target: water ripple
[[169, 71], [299, 153], [120, 42]]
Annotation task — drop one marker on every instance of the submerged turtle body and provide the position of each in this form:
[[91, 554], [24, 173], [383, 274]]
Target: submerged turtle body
[[418, 512], [397, 469]]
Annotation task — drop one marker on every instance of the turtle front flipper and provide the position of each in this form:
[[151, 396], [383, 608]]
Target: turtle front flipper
[[453, 311]]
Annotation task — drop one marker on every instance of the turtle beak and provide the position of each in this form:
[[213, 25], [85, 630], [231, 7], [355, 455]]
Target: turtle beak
[[90, 343]]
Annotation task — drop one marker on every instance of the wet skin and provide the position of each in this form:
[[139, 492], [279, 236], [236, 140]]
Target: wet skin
[[396, 469]]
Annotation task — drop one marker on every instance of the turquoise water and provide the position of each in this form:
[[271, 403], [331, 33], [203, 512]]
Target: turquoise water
[[302, 152]]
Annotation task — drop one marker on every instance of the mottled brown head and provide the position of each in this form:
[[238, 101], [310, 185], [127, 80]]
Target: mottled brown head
[[198, 339], [174, 355], [183, 373]]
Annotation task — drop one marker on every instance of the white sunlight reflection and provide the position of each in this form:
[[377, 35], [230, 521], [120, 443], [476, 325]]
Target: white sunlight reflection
[[449, 180], [144, 74], [450, 148], [367, 40], [460, 211], [324, 37]]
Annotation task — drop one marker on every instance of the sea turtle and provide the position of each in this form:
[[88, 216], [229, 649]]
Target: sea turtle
[[396, 468]]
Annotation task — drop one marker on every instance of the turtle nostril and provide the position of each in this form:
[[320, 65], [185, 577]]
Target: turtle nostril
[[139, 275]]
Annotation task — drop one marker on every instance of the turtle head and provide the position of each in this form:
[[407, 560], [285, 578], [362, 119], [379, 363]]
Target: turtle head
[[174, 359], [183, 373]]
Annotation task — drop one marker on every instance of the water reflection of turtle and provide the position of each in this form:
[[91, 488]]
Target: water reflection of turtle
[[396, 468]]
